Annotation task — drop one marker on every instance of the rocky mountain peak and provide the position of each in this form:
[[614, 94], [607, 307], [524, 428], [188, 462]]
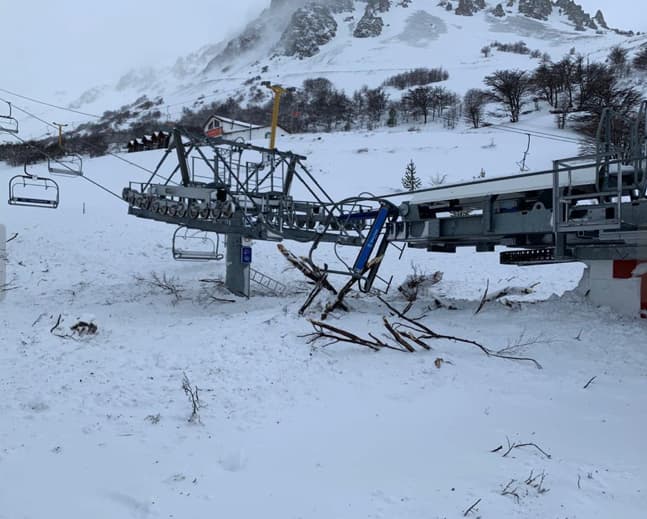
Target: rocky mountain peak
[[599, 19], [576, 14]]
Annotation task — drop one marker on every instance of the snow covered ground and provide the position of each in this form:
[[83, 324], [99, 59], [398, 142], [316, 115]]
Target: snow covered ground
[[98, 426]]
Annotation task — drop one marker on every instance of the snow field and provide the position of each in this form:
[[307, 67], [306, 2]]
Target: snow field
[[97, 426]]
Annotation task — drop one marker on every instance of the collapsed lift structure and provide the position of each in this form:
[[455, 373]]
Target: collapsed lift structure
[[591, 208], [247, 192]]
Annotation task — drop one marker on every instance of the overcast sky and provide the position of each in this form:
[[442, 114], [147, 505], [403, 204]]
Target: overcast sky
[[48, 45]]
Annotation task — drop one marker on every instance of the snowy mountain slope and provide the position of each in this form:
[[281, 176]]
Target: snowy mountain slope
[[422, 34], [97, 426]]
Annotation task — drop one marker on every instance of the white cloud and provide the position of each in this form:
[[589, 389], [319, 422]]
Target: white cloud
[[72, 44]]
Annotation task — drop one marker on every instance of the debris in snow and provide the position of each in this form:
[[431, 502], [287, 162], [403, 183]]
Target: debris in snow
[[503, 292], [82, 328], [193, 394], [515, 445]]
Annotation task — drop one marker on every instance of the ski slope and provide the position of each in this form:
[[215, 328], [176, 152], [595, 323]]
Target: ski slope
[[97, 426]]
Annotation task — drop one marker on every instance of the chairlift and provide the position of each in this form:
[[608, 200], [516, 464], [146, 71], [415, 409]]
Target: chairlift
[[195, 245], [8, 123], [70, 165], [31, 190]]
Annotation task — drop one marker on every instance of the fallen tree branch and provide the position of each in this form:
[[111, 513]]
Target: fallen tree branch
[[7, 287], [58, 322], [416, 325], [335, 335], [508, 491], [313, 273], [503, 292], [483, 299], [165, 283], [404, 335], [466, 512], [397, 336], [519, 445]]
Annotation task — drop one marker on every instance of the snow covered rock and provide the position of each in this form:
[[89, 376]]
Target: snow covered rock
[[465, 8], [370, 24], [576, 14], [599, 19], [336, 6], [498, 11], [339, 6], [310, 27], [538, 9]]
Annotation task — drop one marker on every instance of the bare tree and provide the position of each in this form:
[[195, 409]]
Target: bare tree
[[419, 100], [509, 87], [619, 60], [640, 59], [473, 103]]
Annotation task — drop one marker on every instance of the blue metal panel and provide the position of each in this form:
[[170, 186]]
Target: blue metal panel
[[366, 250], [245, 255]]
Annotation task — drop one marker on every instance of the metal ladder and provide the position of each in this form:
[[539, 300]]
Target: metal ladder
[[267, 282]]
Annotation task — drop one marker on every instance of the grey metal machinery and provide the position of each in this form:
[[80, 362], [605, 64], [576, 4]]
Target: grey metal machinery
[[591, 208], [245, 192], [587, 207]]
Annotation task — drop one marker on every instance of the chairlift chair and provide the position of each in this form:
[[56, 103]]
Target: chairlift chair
[[8, 123], [70, 164], [195, 245], [30, 190]]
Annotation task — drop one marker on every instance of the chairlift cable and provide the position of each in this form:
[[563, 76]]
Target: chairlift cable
[[536, 133], [46, 155], [539, 136], [134, 164], [48, 104]]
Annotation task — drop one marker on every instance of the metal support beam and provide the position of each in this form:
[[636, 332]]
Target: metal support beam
[[237, 275], [181, 157]]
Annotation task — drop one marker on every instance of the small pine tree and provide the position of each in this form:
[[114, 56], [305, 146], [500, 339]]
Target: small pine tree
[[393, 118], [410, 180]]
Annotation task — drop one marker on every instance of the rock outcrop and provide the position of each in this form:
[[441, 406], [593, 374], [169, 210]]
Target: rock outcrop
[[371, 24], [498, 11], [335, 6], [599, 19], [537, 9], [310, 27], [576, 14], [465, 8]]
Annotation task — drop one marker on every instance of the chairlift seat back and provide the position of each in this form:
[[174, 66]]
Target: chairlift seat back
[[194, 245], [8, 124], [69, 165], [30, 191]]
